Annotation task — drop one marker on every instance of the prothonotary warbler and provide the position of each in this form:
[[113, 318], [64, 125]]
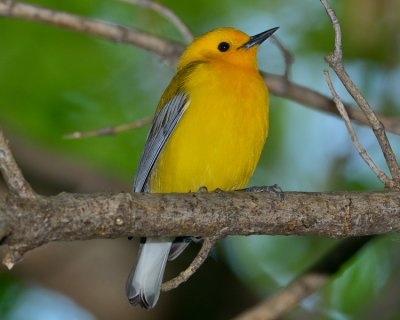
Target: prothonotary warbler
[[208, 132]]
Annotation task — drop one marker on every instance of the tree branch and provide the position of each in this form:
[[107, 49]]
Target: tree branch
[[363, 153], [208, 244], [278, 85], [286, 54], [36, 220], [168, 49], [109, 131], [166, 13], [335, 62], [313, 279], [278, 305], [68, 217], [12, 175]]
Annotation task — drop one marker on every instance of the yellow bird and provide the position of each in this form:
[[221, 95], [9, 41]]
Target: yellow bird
[[208, 132]]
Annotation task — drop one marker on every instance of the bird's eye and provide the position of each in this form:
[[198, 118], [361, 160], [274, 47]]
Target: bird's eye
[[223, 46]]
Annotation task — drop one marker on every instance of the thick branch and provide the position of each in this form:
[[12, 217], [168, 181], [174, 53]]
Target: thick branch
[[278, 85], [68, 217]]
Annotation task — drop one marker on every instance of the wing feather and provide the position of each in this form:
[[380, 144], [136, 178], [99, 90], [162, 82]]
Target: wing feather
[[163, 125], [170, 110]]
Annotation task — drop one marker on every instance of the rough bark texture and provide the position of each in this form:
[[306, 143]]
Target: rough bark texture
[[66, 217]]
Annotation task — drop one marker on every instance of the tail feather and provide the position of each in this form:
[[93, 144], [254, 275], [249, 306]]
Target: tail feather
[[144, 281]]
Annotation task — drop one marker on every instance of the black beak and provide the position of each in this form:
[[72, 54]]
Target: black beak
[[258, 38]]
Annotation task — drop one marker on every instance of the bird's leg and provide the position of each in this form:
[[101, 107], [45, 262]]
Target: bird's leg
[[274, 188]]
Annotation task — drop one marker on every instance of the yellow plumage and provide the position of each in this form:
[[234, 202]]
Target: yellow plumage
[[218, 141], [209, 129]]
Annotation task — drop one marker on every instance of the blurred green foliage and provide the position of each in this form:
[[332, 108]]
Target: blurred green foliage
[[55, 81], [10, 290]]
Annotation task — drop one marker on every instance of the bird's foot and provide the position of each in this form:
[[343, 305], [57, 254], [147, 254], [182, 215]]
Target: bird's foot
[[275, 189], [202, 189], [196, 239]]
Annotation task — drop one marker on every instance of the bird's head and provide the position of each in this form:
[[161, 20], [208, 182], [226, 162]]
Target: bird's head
[[225, 45]]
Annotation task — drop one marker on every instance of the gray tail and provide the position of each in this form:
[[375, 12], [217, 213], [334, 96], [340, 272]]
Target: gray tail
[[144, 281]]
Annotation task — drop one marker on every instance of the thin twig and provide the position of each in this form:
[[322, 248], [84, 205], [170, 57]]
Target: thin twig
[[108, 131], [276, 306], [167, 13], [335, 62], [208, 244], [282, 88], [363, 153], [287, 55], [12, 174]]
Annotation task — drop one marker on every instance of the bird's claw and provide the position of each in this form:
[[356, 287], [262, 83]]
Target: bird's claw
[[275, 189], [196, 239], [202, 189]]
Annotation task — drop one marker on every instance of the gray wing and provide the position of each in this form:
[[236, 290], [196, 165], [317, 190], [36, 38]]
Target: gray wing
[[163, 125]]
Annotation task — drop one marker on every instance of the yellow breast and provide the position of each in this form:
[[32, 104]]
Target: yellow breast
[[219, 139]]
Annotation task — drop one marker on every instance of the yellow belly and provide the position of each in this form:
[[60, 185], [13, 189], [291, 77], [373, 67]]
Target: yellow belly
[[219, 139]]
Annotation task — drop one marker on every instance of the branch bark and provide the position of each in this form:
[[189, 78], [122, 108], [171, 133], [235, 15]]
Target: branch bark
[[68, 217], [12, 173]]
